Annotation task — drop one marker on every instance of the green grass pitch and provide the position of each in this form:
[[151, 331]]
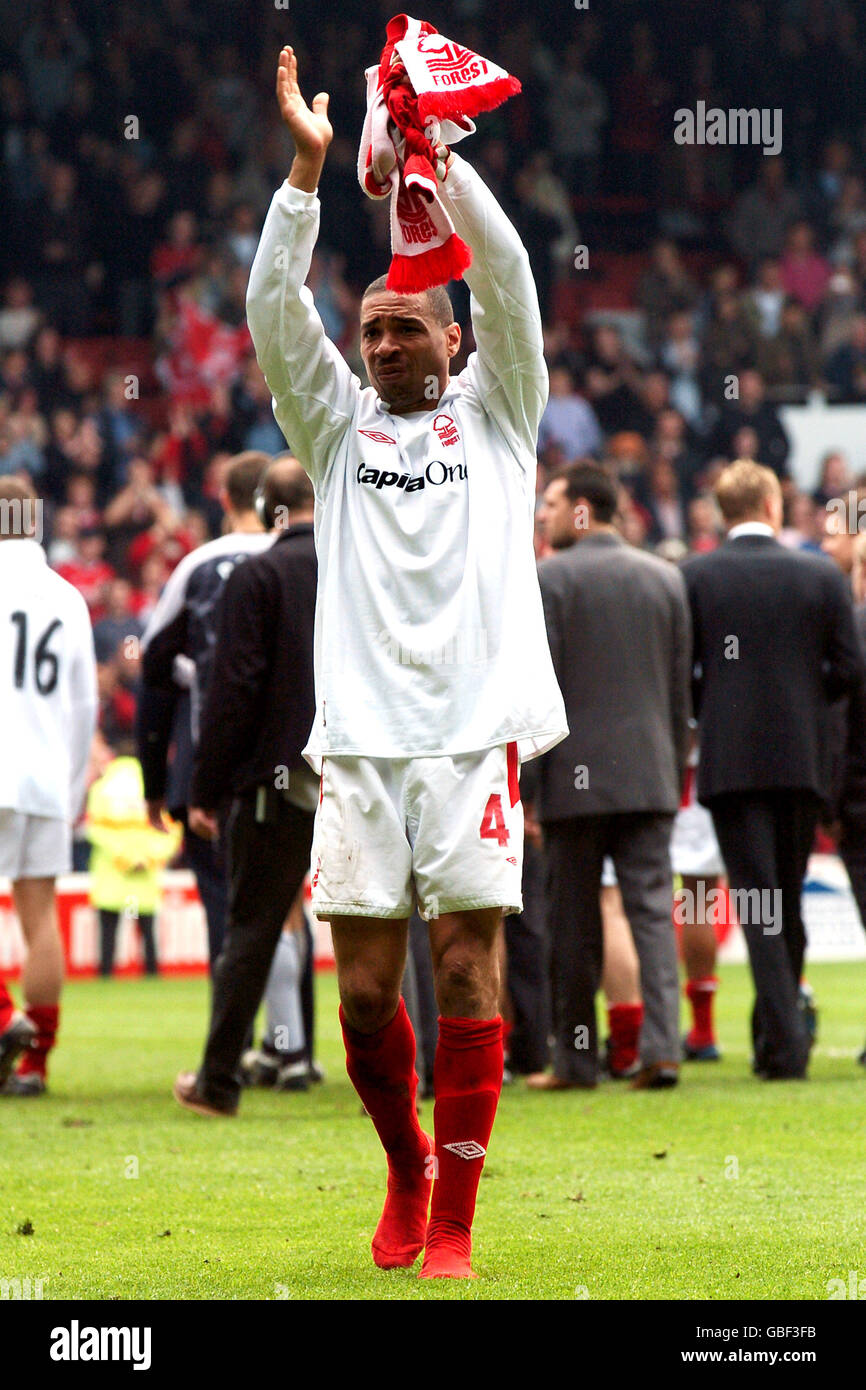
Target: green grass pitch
[[725, 1188]]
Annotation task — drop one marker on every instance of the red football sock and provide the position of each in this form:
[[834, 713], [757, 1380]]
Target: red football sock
[[7, 1007], [467, 1079], [507, 1030], [700, 994], [381, 1067], [624, 1023], [47, 1020]]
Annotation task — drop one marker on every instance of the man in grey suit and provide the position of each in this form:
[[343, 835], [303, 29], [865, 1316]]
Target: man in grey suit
[[620, 636]]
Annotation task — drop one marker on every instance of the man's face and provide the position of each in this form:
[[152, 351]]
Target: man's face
[[406, 352], [837, 542], [557, 516]]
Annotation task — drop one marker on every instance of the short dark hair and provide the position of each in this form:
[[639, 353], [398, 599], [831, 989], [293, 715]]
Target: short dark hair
[[243, 474], [583, 478], [286, 485], [437, 298]]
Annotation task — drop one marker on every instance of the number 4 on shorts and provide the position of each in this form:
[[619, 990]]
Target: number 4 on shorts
[[493, 825]]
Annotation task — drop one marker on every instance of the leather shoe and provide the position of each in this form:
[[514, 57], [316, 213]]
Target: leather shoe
[[187, 1094], [658, 1076], [548, 1081]]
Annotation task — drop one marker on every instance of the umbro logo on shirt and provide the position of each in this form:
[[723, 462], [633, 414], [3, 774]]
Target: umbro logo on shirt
[[378, 437], [435, 474]]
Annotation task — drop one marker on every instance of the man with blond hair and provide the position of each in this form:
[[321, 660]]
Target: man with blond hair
[[774, 645]]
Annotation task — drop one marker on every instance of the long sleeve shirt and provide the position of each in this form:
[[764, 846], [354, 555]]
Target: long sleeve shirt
[[429, 636]]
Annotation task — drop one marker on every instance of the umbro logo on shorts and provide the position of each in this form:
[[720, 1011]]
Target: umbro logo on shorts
[[466, 1148], [435, 474]]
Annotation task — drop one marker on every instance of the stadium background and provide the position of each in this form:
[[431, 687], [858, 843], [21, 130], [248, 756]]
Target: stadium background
[[141, 146]]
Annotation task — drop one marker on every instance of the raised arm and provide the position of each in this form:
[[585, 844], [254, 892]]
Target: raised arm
[[508, 369], [313, 389]]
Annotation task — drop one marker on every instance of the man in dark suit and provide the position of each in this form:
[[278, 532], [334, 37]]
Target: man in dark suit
[[618, 626], [256, 721], [847, 548], [774, 645]]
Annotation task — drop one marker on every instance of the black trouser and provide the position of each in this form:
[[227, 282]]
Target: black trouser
[[108, 922], [529, 970], [852, 851], [268, 861], [766, 838], [639, 844], [206, 858]]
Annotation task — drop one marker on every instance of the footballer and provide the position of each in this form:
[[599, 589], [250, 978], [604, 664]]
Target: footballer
[[433, 675]]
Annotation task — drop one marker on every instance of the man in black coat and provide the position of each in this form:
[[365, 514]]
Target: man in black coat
[[256, 721], [774, 645]]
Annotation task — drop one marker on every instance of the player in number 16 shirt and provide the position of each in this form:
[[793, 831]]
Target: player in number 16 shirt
[[433, 674], [48, 703]]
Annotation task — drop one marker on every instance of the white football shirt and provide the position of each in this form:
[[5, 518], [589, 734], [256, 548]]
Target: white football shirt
[[430, 635], [48, 695]]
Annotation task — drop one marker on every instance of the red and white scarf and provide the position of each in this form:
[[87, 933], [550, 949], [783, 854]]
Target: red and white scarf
[[420, 100]]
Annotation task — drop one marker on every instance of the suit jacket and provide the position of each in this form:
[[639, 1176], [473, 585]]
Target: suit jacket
[[774, 646], [619, 632], [261, 699]]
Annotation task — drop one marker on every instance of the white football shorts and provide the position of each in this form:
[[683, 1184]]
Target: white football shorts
[[694, 848], [445, 832], [33, 846]]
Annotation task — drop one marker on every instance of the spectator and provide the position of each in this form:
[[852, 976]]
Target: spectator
[[577, 110], [568, 419], [136, 507], [803, 531], [846, 369], [665, 289], [704, 524], [790, 358], [613, 382], [729, 347], [88, 571], [81, 500], [835, 478], [180, 254], [118, 621], [803, 272], [63, 238], [765, 300], [242, 238], [662, 500], [753, 409], [121, 428], [63, 546], [763, 213], [19, 317], [680, 355]]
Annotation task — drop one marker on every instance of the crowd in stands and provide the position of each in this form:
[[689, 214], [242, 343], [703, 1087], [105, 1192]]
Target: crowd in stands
[[140, 148]]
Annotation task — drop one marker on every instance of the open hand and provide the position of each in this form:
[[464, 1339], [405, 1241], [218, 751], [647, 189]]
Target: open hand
[[310, 128]]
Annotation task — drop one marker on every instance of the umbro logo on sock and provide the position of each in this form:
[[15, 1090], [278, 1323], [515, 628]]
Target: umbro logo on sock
[[466, 1148]]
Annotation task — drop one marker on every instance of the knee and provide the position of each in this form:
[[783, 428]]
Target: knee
[[466, 983], [368, 1002]]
